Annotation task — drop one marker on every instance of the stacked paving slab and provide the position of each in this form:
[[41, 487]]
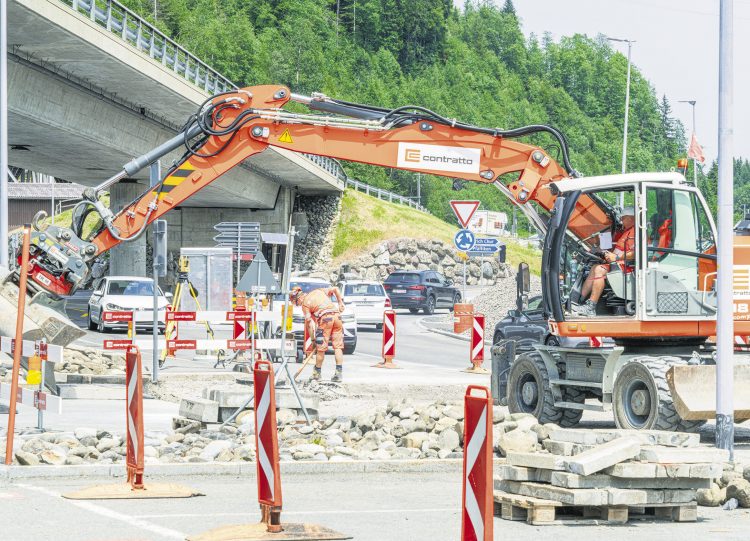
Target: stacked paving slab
[[607, 475]]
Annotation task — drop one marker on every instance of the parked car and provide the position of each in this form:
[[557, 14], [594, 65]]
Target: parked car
[[125, 294], [367, 299], [421, 290], [348, 317]]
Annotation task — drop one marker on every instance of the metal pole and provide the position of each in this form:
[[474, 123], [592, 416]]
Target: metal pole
[[4, 137], [695, 161], [464, 285], [40, 411], [725, 211], [625, 129], [53, 201], [155, 178], [419, 189]]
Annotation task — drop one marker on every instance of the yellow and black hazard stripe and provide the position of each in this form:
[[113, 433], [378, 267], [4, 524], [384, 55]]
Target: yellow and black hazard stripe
[[174, 179]]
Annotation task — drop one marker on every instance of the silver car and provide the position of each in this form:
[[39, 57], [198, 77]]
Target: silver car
[[125, 294]]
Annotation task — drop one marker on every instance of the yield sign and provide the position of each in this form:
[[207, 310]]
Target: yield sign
[[464, 210]]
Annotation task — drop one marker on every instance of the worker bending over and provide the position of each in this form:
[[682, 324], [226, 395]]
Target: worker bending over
[[320, 311], [624, 250]]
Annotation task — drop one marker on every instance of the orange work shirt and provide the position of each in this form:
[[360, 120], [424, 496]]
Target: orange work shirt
[[318, 303]]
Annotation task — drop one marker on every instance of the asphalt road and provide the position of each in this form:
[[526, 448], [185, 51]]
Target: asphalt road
[[381, 506]]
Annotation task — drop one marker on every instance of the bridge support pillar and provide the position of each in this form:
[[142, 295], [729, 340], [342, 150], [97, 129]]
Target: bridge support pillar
[[127, 258]]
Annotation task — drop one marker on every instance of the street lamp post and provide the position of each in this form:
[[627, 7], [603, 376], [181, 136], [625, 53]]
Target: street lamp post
[[695, 162], [627, 111]]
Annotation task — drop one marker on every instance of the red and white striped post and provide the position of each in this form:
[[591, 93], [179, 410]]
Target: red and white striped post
[[476, 345], [134, 409], [389, 340], [477, 504], [267, 444]]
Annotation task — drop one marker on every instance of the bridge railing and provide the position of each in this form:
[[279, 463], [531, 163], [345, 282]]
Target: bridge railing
[[119, 20], [385, 195]]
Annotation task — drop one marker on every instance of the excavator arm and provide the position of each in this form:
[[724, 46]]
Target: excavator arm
[[231, 127]]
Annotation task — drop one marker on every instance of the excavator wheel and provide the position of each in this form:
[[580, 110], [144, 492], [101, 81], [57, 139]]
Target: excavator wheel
[[642, 400], [529, 390]]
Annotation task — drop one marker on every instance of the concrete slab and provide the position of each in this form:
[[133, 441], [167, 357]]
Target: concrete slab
[[604, 456], [545, 461], [200, 409], [99, 391], [663, 455]]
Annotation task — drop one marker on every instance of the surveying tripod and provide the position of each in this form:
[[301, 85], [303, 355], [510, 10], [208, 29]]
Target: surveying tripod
[[183, 282]]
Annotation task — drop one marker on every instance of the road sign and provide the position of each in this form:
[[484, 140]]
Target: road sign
[[258, 278], [464, 240], [485, 241], [464, 210], [483, 249], [242, 237]]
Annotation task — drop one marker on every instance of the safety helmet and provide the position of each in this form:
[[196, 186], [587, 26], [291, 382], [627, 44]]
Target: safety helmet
[[295, 294]]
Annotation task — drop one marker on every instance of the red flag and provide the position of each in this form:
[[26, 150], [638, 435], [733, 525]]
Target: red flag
[[695, 151]]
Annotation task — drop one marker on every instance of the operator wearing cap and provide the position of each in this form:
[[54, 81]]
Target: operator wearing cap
[[321, 312], [624, 250]]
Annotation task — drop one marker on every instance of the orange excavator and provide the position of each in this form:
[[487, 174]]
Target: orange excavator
[[660, 307]]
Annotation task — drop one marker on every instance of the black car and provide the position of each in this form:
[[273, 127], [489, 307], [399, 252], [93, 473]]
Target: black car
[[421, 290]]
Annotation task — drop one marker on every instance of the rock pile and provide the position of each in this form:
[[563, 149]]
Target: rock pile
[[402, 430], [734, 483], [494, 302], [315, 251], [91, 361], [419, 254]]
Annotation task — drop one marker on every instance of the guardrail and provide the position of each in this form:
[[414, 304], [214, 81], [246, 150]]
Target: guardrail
[[384, 194], [133, 30]]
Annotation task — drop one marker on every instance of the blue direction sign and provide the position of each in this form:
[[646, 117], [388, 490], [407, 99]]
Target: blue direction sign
[[486, 241], [464, 240], [482, 249]]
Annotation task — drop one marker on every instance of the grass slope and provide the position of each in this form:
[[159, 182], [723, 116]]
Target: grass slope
[[367, 221]]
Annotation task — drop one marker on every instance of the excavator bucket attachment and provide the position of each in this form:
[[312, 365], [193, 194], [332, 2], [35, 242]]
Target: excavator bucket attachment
[[694, 391], [41, 320]]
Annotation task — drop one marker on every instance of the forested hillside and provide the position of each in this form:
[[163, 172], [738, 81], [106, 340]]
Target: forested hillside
[[472, 63]]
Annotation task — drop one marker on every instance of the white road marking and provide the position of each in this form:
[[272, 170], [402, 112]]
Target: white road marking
[[323, 512], [110, 514]]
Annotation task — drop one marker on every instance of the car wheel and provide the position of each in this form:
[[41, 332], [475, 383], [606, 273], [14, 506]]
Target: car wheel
[[456, 300], [348, 350], [100, 326], [552, 340], [414, 310], [300, 356], [92, 325], [429, 309]]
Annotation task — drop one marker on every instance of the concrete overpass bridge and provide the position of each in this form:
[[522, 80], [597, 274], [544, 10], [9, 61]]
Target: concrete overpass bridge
[[92, 85]]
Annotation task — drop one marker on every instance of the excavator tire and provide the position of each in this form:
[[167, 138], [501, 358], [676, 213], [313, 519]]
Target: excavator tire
[[571, 417], [641, 397], [529, 389]]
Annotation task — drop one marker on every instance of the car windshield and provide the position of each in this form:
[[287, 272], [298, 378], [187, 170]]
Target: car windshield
[[403, 278], [373, 290], [131, 288], [307, 287]]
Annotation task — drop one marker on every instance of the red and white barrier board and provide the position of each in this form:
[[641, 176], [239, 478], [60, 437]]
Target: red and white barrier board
[[389, 335], [477, 504], [266, 435], [134, 407], [54, 354], [477, 340]]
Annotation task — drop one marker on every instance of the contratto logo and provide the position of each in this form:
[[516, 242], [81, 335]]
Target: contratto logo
[[412, 155]]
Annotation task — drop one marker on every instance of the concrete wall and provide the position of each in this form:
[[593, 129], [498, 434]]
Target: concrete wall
[[127, 258]]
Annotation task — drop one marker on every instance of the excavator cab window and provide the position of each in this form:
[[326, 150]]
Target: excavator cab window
[[597, 275], [680, 254]]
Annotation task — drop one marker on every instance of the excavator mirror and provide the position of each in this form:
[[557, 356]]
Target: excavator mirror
[[523, 286]]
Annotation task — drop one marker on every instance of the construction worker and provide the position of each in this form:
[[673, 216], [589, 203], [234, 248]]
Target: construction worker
[[322, 313], [624, 250]]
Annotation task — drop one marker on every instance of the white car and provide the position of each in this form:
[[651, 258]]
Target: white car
[[368, 300], [125, 294], [348, 318]]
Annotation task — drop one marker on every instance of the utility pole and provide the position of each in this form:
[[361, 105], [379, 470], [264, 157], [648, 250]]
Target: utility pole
[[627, 114], [725, 311], [695, 162], [419, 189], [4, 133]]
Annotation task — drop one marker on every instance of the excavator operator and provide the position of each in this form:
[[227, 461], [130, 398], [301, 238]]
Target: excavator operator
[[623, 251], [322, 313]]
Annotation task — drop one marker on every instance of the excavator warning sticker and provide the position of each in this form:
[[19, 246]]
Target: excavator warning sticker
[[438, 158], [286, 137]]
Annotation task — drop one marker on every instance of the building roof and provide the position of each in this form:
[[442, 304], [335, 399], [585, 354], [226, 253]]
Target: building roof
[[38, 190]]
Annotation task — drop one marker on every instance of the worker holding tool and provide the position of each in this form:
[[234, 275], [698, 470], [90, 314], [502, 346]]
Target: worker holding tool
[[322, 313]]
